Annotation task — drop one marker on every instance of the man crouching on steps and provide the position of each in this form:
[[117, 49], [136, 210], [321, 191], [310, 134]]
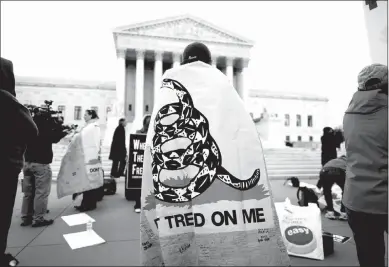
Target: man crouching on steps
[[333, 172]]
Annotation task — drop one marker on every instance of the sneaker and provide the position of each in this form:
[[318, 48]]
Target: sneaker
[[330, 215], [137, 210], [342, 216], [43, 223]]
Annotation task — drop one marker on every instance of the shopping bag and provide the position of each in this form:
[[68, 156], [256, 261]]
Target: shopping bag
[[301, 229]]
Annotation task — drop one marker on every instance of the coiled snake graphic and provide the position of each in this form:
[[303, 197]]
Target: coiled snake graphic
[[202, 152]]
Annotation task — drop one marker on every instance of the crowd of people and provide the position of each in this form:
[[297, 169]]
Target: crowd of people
[[362, 174]]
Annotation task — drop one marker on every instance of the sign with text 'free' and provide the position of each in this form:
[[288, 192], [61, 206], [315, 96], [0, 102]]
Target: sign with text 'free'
[[135, 161]]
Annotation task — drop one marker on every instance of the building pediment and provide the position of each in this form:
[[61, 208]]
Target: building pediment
[[186, 27]]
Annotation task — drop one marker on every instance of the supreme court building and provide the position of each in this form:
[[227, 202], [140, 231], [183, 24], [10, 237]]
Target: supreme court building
[[146, 50]]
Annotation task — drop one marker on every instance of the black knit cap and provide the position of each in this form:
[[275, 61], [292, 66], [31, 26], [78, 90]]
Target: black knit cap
[[196, 52], [7, 77]]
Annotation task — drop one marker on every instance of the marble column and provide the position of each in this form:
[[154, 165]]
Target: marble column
[[120, 84], [157, 74], [139, 88], [230, 69], [214, 61], [118, 110], [242, 85], [176, 59]]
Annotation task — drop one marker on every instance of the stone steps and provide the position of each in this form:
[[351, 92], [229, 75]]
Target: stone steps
[[280, 163]]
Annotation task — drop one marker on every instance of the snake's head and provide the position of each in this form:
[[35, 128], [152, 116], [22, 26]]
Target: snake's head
[[168, 84]]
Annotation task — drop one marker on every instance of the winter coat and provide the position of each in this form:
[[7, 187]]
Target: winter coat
[[365, 127], [118, 146], [17, 128]]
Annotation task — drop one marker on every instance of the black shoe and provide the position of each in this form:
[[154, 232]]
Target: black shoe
[[10, 260], [83, 209], [26, 222], [43, 223]]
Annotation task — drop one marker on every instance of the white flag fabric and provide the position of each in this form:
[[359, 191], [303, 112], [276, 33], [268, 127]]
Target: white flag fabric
[[206, 198], [81, 167]]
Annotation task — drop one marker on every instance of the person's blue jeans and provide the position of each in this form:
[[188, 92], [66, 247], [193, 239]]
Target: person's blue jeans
[[36, 189]]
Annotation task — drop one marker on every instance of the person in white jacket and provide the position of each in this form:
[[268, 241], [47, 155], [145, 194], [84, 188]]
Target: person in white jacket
[[90, 197]]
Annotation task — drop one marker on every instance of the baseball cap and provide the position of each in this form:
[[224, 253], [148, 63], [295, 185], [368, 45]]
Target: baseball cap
[[196, 52], [377, 72]]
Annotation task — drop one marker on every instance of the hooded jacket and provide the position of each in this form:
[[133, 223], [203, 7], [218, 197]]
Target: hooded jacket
[[17, 127], [365, 127]]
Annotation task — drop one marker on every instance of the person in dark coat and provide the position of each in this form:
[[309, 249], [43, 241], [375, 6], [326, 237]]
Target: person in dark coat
[[365, 197], [145, 128], [18, 129], [329, 145], [118, 151]]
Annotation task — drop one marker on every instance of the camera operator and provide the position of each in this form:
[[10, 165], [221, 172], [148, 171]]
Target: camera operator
[[37, 170]]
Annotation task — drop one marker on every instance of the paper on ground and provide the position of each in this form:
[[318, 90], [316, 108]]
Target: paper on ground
[[341, 239], [83, 239], [77, 219], [338, 238]]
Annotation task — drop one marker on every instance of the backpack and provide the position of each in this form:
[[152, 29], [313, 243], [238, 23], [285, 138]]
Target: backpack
[[109, 187], [306, 195]]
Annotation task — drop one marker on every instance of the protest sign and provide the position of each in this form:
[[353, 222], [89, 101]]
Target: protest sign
[[135, 166], [206, 198]]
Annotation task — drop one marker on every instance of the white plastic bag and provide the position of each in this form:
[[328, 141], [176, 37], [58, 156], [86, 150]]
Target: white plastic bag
[[301, 229]]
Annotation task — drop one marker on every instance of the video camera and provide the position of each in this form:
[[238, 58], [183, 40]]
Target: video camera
[[52, 117]]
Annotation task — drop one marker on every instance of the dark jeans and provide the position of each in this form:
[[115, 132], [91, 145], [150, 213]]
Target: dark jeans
[[137, 200], [7, 199], [368, 230], [118, 167], [329, 177], [90, 198], [36, 189]]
